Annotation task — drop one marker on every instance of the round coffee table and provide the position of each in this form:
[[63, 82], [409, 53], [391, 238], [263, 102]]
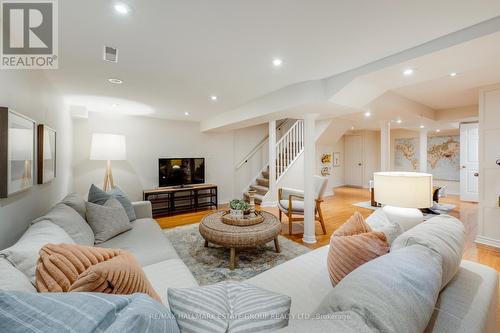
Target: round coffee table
[[233, 237]]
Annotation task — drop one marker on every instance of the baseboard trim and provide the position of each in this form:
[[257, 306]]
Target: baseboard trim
[[487, 241]]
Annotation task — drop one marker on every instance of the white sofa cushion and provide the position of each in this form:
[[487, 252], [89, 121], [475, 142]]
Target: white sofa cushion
[[378, 221], [77, 202], [443, 234], [469, 303], [403, 282], [146, 241], [406, 218], [171, 273], [71, 221], [24, 254], [13, 279]]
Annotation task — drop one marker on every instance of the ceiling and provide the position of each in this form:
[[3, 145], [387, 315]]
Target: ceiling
[[173, 55]]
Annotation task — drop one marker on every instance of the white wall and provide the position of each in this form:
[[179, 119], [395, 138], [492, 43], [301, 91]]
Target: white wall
[[31, 94], [336, 178], [489, 180], [452, 187], [149, 139]]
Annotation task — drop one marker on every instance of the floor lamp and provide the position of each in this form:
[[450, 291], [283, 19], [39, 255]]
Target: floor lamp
[[108, 147]]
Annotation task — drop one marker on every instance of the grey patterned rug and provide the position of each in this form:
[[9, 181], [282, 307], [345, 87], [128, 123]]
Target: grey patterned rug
[[211, 265]]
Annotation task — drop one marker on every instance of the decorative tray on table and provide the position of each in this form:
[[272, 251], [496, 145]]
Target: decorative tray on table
[[242, 222]]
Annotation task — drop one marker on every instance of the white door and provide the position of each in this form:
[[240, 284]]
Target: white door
[[354, 160], [469, 162]]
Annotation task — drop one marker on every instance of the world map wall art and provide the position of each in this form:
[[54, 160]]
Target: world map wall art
[[443, 156]]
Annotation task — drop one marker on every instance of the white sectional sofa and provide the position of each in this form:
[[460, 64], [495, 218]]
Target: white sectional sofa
[[467, 304]]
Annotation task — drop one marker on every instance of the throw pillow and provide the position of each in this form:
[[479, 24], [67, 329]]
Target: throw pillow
[[352, 245], [83, 312], [98, 196], [378, 221], [107, 220], [24, 254], [77, 268], [228, 307], [444, 235], [13, 279], [393, 293], [77, 202], [71, 222]]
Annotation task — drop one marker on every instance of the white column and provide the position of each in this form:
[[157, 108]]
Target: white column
[[385, 146], [309, 166], [423, 150], [272, 161]]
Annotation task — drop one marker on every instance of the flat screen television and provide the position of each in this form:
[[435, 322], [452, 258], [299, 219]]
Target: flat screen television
[[181, 171]]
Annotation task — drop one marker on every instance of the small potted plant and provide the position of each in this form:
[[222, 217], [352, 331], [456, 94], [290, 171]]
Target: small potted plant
[[238, 208]]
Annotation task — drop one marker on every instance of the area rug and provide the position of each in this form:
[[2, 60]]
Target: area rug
[[365, 204], [211, 265]]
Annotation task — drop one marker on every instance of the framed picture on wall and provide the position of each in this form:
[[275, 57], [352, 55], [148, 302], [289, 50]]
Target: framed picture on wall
[[336, 159], [17, 152], [326, 164], [46, 161]]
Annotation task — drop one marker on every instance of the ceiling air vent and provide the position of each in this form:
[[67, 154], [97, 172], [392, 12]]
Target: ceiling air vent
[[110, 54]]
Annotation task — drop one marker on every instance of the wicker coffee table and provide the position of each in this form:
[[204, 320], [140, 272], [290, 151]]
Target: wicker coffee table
[[233, 237]]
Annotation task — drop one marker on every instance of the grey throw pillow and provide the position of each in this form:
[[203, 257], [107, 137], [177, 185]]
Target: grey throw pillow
[[98, 196], [71, 222], [77, 202], [107, 220], [228, 307]]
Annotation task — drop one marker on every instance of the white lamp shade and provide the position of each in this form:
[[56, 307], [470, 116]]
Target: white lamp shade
[[403, 189], [108, 147], [21, 144]]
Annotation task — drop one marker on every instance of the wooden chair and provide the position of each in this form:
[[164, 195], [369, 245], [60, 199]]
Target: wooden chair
[[291, 203]]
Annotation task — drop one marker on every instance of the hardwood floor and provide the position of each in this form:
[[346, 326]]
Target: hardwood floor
[[337, 209]]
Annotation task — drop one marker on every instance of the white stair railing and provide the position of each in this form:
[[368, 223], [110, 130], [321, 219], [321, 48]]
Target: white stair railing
[[289, 148]]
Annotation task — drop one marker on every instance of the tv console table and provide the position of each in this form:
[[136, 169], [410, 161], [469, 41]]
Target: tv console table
[[171, 200]]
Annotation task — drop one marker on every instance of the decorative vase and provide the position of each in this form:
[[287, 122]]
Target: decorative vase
[[236, 214], [251, 196]]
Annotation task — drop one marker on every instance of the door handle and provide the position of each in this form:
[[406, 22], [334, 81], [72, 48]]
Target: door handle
[[464, 167], [476, 174], [359, 164]]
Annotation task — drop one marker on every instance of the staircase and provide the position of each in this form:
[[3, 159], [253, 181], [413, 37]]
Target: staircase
[[288, 149]]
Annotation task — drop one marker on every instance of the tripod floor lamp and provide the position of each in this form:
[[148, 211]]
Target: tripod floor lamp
[[108, 147]]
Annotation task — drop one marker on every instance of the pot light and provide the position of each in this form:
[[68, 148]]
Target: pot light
[[368, 114], [186, 113], [115, 81], [453, 74], [438, 130], [122, 8], [422, 126], [399, 121], [213, 98], [408, 72], [277, 62], [352, 128]]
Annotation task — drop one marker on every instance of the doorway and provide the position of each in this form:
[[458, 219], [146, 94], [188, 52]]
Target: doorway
[[354, 160], [469, 162]]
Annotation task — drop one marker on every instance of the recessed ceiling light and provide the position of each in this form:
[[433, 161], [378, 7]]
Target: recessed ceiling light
[[277, 62], [438, 130], [213, 98], [408, 71], [122, 8], [453, 74], [115, 81], [399, 121], [352, 128], [422, 126], [368, 114], [186, 113]]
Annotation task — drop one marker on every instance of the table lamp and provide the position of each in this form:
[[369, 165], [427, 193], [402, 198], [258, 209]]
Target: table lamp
[[403, 194], [108, 147]]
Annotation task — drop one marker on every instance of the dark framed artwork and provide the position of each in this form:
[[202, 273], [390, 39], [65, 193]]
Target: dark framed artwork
[[46, 159], [17, 152]]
